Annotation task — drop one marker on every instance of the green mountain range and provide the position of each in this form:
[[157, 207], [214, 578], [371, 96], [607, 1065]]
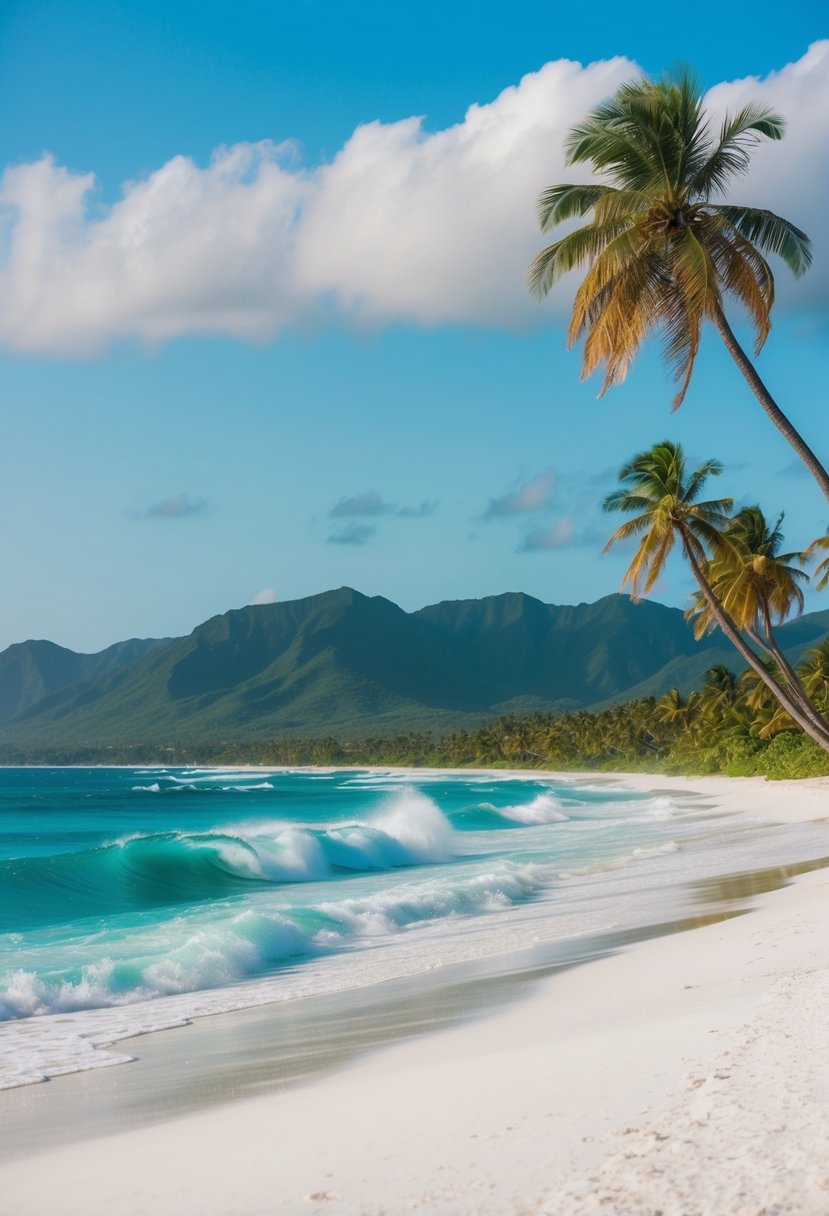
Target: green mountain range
[[348, 664]]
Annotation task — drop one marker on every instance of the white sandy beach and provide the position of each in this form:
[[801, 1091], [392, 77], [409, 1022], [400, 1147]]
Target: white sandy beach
[[685, 1076]]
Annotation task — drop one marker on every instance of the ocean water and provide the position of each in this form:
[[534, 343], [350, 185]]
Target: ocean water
[[133, 899]]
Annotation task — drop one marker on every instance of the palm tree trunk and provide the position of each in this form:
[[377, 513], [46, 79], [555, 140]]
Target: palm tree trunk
[[731, 631], [769, 404]]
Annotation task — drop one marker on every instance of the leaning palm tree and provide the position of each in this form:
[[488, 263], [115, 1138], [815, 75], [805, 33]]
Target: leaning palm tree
[[665, 503], [662, 250], [758, 586]]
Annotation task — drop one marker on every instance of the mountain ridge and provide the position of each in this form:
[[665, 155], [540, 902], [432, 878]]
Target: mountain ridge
[[343, 662]]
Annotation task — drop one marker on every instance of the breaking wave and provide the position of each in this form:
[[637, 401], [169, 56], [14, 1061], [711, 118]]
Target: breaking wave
[[153, 869], [191, 953]]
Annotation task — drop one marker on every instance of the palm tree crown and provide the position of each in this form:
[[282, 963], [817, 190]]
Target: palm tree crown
[[662, 249], [664, 500], [757, 584]]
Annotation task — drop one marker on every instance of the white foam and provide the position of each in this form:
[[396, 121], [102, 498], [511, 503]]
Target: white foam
[[245, 789], [657, 850], [417, 824], [544, 808]]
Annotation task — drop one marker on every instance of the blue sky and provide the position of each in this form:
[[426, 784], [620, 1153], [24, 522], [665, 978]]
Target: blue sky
[[308, 358]]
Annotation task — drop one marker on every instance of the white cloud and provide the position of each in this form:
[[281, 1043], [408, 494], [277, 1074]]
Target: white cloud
[[187, 250], [532, 495], [402, 224], [791, 177], [440, 227], [266, 596]]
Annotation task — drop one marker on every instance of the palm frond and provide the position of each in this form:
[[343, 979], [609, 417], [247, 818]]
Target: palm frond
[[631, 527], [743, 273], [559, 203], [611, 139], [627, 205], [821, 572], [739, 133], [710, 468], [772, 234], [693, 297], [582, 245], [623, 500], [648, 562]]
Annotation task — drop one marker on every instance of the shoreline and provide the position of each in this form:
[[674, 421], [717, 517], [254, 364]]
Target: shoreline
[[607, 1075]]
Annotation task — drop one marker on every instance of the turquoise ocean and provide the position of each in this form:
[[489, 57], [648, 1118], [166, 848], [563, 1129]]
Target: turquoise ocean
[[134, 899]]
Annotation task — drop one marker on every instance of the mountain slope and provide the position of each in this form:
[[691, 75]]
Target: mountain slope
[[581, 653], [30, 671], [346, 663]]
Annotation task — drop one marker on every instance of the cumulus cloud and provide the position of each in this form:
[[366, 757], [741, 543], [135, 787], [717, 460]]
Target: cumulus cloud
[[401, 225], [266, 596], [791, 177], [371, 504], [352, 534], [562, 534], [180, 507], [532, 495]]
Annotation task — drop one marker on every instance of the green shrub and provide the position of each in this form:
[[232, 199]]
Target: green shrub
[[793, 755], [744, 758]]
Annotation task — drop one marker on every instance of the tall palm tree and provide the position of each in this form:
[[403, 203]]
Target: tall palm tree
[[662, 250], [665, 503]]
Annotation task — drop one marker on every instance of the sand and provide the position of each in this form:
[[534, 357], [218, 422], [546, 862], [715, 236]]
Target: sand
[[684, 1076]]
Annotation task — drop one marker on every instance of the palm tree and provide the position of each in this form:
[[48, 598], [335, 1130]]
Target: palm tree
[[662, 251], [673, 710], [665, 503], [719, 690], [758, 586], [814, 672]]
